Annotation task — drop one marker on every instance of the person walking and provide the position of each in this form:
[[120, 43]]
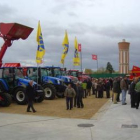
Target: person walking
[[119, 90], [69, 94], [30, 93], [96, 84], [111, 83], [133, 93], [84, 85], [107, 88], [80, 93], [124, 88], [73, 85], [100, 89], [137, 89], [93, 86], [115, 90], [89, 85]]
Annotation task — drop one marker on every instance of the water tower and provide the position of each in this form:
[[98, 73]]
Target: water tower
[[123, 57]]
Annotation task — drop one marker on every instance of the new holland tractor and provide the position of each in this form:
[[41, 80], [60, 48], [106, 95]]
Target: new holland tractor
[[52, 86], [63, 74], [10, 32], [5, 98], [58, 73], [13, 82]]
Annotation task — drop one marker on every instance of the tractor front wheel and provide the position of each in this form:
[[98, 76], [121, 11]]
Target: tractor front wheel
[[5, 99], [20, 96], [50, 91]]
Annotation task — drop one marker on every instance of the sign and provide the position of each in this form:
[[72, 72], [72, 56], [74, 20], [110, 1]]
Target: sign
[[79, 47], [94, 57]]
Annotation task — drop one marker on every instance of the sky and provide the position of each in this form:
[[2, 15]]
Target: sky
[[98, 26]]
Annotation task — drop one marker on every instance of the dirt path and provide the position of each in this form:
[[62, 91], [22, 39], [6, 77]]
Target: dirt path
[[57, 108]]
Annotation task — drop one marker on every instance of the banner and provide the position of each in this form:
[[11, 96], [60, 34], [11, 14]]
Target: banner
[[41, 48], [65, 44], [79, 47], [94, 57], [76, 59]]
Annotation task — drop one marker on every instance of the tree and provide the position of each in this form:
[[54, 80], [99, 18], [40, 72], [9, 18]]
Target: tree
[[88, 71], [101, 70], [109, 68]]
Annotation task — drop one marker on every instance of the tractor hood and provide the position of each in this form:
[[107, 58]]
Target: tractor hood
[[66, 79], [52, 80], [24, 82], [74, 79]]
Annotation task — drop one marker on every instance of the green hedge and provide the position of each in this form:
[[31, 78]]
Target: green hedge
[[106, 75]]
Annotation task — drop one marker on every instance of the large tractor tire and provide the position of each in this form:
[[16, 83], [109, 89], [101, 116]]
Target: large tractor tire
[[20, 96], [60, 91], [60, 94], [50, 91], [41, 96], [5, 100]]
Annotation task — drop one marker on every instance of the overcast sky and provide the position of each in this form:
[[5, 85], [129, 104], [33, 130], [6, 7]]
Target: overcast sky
[[98, 25]]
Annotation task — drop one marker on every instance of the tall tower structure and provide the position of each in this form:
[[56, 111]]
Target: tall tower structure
[[123, 57]]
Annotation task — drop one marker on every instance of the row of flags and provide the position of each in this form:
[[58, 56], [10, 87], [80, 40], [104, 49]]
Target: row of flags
[[41, 49], [65, 44]]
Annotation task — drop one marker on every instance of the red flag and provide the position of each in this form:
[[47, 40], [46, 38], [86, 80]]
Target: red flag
[[94, 57], [79, 47]]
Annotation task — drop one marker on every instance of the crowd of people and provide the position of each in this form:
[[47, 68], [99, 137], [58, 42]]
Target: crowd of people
[[75, 93], [119, 86]]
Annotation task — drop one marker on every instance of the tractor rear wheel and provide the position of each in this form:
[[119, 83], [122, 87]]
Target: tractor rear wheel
[[5, 100], [20, 96], [60, 94], [41, 95], [50, 91]]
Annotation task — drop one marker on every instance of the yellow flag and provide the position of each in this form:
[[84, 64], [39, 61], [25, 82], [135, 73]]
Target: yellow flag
[[65, 44], [76, 59], [41, 48]]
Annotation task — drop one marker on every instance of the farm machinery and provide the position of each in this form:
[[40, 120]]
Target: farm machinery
[[81, 77], [52, 86], [10, 83]]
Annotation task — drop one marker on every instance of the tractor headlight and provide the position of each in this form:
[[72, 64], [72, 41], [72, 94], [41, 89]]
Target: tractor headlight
[[58, 81], [68, 79]]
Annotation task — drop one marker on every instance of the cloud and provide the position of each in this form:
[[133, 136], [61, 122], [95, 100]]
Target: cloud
[[6, 10], [90, 21]]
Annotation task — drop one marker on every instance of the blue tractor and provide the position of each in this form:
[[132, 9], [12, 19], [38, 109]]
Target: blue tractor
[[5, 98], [12, 81], [52, 86], [59, 73]]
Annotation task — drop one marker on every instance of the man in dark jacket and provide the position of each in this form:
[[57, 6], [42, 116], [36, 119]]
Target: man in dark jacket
[[124, 88], [107, 88], [89, 85], [80, 93], [137, 89], [133, 93], [30, 96], [116, 87], [69, 94], [119, 90]]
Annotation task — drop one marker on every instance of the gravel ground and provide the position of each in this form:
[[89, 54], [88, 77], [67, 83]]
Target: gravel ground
[[57, 108]]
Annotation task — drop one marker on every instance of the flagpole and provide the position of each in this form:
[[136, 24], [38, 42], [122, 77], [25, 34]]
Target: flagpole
[[63, 65], [81, 60], [97, 64], [37, 73]]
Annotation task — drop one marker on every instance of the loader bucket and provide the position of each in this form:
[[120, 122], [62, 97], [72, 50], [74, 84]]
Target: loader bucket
[[14, 31]]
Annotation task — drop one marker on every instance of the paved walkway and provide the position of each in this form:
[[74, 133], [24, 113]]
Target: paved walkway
[[107, 125]]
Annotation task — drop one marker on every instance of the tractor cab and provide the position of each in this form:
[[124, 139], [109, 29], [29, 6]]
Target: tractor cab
[[44, 76], [60, 73], [81, 77], [12, 81]]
